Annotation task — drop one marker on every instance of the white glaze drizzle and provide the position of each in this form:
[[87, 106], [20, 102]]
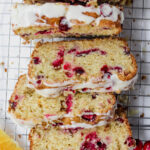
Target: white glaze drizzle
[[114, 82], [24, 15], [30, 123]]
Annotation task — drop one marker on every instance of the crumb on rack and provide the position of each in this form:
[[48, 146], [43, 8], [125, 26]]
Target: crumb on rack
[[129, 12], [142, 115], [19, 135], [2, 63], [143, 77], [134, 20], [5, 69]]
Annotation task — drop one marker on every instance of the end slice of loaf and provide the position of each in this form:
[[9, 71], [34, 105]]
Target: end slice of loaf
[[71, 108], [72, 2], [99, 65], [63, 20], [82, 2], [115, 136]]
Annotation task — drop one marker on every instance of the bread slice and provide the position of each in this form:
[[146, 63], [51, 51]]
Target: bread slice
[[63, 20], [28, 108], [115, 136], [82, 2], [72, 2], [97, 65]]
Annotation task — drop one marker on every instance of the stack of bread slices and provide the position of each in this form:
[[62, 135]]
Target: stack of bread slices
[[67, 97]]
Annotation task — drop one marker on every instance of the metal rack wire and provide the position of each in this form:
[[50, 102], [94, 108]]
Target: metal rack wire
[[14, 57]]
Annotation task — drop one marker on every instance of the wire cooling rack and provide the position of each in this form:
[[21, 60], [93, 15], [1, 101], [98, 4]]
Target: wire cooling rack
[[14, 58]]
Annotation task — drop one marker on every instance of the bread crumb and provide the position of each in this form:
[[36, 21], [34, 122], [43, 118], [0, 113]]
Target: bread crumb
[[143, 77], [2, 63], [134, 20], [19, 135], [134, 97], [129, 12], [142, 115], [5, 69]]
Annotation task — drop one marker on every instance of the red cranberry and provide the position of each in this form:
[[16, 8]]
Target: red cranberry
[[57, 63], [38, 81], [130, 142], [69, 103], [91, 136], [86, 52], [107, 75], [43, 32], [106, 28], [57, 124], [105, 69], [67, 66], [72, 51], [146, 145], [126, 51], [119, 69], [103, 52], [84, 89], [40, 76], [25, 35], [119, 120], [16, 97], [69, 74], [61, 53], [63, 26], [88, 146], [36, 60], [94, 95], [13, 105], [78, 70], [108, 88], [89, 117], [92, 142], [70, 89], [101, 146], [139, 145], [73, 130]]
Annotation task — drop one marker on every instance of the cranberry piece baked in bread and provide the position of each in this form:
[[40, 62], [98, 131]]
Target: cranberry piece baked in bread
[[63, 20], [70, 108], [114, 136], [98, 65]]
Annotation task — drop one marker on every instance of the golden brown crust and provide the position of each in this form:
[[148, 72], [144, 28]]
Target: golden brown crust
[[120, 111], [22, 77]]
